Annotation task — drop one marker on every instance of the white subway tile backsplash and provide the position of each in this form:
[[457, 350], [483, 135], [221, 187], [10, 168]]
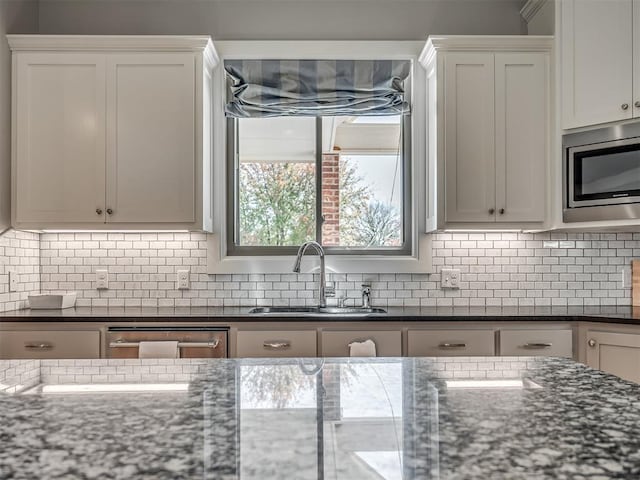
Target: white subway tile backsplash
[[19, 252], [498, 269]]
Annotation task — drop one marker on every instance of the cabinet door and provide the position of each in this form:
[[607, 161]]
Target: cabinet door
[[522, 104], [59, 144], [596, 61], [276, 343], [615, 353], [469, 137], [151, 138], [336, 343], [49, 344], [636, 58], [450, 343], [537, 343]]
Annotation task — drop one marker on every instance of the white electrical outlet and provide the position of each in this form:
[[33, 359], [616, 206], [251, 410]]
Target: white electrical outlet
[[102, 279], [183, 280], [450, 278], [13, 281]]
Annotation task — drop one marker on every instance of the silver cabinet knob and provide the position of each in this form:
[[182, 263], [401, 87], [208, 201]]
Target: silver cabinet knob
[[637, 104], [502, 211], [492, 211], [592, 342], [109, 211], [99, 211], [625, 106]]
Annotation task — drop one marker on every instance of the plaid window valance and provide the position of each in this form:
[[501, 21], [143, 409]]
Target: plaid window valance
[[275, 88]]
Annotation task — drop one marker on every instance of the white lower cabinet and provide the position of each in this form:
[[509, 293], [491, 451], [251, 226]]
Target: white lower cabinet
[[60, 344], [449, 343], [615, 353], [336, 343], [276, 343], [549, 343]]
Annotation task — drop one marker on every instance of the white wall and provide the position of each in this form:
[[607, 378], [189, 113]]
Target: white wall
[[16, 16], [544, 21], [284, 19]]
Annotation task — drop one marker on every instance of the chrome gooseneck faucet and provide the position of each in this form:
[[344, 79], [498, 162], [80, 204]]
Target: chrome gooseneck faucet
[[323, 290]]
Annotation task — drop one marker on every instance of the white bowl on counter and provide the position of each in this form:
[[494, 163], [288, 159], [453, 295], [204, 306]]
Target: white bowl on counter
[[46, 301]]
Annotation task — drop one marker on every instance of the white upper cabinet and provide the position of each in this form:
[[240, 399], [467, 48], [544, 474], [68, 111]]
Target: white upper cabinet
[[112, 132], [597, 61], [150, 136], [489, 130], [59, 138], [522, 109], [470, 182]]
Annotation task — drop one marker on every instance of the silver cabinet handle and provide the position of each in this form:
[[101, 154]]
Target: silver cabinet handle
[[591, 342], [534, 345], [109, 211], [637, 104], [502, 211], [452, 345], [276, 344], [625, 106], [99, 211], [38, 346], [492, 211]]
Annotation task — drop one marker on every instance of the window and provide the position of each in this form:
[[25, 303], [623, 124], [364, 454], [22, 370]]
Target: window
[[317, 152], [341, 180], [362, 103]]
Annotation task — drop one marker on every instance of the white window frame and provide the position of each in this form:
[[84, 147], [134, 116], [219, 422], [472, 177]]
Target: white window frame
[[420, 260]]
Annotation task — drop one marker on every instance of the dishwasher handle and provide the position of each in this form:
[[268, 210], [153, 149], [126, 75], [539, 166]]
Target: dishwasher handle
[[124, 344]]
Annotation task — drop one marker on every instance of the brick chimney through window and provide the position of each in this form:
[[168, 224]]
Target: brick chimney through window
[[331, 198]]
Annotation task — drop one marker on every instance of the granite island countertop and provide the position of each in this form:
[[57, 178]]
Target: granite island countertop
[[412, 418], [603, 314]]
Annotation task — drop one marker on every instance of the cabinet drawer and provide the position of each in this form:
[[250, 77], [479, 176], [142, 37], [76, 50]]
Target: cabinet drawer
[[50, 344], [552, 343], [336, 343], [449, 343], [277, 343]]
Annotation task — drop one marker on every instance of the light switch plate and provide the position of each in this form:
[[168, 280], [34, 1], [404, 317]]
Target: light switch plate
[[183, 280], [13, 281], [102, 279], [450, 278]]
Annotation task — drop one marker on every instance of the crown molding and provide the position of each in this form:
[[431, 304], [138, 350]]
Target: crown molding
[[113, 43], [484, 43], [531, 8]]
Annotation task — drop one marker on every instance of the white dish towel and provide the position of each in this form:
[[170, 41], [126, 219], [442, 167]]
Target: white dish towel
[[163, 349], [362, 349]]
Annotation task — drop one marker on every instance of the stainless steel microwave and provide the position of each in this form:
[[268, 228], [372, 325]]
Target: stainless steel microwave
[[602, 174]]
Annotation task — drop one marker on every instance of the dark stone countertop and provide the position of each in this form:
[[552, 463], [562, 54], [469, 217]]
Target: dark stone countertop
[[412, 418], [608, 314]]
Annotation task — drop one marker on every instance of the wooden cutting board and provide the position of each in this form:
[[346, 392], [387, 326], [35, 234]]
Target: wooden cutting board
[[635, 283]]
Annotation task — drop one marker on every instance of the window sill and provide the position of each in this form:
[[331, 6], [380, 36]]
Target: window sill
[[219, 263]]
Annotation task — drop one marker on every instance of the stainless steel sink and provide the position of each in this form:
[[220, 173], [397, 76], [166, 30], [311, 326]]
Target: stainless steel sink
[[362, 311]]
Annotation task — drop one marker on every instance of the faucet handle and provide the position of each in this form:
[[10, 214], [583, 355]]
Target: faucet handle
[[366, 288]]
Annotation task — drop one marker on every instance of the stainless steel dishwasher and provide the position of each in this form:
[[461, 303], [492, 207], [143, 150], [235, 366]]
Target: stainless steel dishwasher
[[193, 342]]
